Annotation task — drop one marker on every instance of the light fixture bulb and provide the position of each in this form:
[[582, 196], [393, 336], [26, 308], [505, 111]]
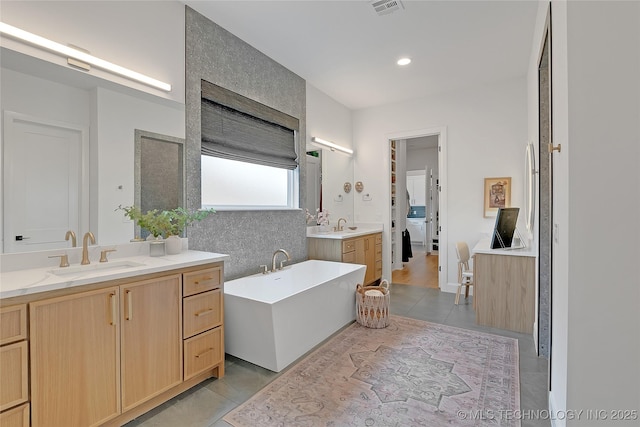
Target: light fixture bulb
[[70, 52], [404, 61], [332, 146]]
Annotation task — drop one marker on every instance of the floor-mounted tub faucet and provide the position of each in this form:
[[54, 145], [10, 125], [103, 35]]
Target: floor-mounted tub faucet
[[275, 255]]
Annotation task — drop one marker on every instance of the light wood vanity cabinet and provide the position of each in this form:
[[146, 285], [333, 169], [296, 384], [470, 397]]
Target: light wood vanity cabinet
[[14, 366], [203, 316], [75, 359], [151, 344], [366, 250], [107, 355]]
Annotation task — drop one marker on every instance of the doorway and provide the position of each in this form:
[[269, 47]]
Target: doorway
[[418, 208]]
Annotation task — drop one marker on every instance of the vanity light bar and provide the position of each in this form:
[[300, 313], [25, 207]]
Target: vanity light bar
[[331, 145], [67, 51]]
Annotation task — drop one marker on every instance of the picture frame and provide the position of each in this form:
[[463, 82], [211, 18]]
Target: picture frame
[[497, 194]]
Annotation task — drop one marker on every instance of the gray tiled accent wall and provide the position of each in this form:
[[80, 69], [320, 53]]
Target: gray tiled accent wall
[[249, 237]]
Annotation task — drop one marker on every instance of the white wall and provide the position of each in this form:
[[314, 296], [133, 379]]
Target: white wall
[[145, 36], [486, 133], [330, 120], [596, 92], [423, 157]]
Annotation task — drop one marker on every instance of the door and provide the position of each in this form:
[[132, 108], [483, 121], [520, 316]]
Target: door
[[44, 174], [75, 359], [151, 338]]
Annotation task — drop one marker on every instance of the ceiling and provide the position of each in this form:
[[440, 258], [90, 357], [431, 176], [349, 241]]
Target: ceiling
[[348, 51]]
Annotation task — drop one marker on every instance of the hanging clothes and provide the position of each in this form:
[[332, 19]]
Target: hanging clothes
[[406, 246]]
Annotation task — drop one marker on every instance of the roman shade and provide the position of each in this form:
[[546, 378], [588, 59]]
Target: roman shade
[[237, 128]]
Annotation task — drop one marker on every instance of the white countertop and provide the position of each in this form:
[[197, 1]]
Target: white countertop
[[312, 232], [41, 279], [484, 247]]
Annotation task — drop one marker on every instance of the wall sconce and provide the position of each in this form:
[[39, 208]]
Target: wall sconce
[[331, 145], [79, 55]]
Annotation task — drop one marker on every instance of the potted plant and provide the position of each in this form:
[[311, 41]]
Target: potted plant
[[169, 224]]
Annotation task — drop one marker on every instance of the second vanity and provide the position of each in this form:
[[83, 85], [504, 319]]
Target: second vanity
[[103, 343], [360, 246]]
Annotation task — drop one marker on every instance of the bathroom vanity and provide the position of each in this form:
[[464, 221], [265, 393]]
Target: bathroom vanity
[[102, 344], [360, 246]]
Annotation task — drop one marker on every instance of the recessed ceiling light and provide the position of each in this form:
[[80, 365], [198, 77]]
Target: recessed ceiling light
[[404, 61]]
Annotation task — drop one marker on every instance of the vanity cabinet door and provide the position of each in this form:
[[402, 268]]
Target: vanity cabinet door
[[75, 359], [370, 258], [151, 338]]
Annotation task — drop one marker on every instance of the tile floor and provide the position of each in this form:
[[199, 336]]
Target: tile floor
[[206, 404]]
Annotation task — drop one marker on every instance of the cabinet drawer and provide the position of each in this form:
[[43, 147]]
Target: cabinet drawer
[[349, 257], [201, 281], [13, 324], [202, 312], [14, 387], [16, 417], [202, 352], [348, 246]]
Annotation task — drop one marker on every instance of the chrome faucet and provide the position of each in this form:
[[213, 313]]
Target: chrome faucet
[[72, 235], [85, 251], [275, 255], [339, 227]]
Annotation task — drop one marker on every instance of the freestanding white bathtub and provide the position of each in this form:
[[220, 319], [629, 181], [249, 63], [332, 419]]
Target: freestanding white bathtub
[[273, 319]]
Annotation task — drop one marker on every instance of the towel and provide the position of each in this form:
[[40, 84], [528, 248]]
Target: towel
[[406, 246]]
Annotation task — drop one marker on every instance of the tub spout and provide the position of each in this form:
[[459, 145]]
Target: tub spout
[[275, 255]]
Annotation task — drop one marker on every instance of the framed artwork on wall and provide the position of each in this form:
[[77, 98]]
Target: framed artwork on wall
[[497, 194]]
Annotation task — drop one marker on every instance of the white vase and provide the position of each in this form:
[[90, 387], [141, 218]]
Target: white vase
[[173, 245]]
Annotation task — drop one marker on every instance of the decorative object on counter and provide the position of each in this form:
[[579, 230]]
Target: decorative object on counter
[[169, 224], [372, 305], [156, 248], [347, 187], [359, 186], [321, 218], [173, 245], [497, 194]]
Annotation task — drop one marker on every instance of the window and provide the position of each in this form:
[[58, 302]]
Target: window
[[248, 153], [233, 184]]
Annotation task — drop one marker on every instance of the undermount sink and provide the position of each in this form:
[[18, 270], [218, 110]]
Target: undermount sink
[[97, 267]]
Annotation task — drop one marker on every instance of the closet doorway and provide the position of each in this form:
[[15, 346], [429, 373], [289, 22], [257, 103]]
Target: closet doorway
[[418, 213]]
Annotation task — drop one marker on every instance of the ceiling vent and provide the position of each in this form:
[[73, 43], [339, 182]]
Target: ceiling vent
[[384, 7]]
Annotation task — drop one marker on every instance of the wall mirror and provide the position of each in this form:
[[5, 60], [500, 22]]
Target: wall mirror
[[159, 173], [327, 174], [107, 115]]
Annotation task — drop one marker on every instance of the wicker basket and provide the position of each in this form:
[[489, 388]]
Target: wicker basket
[[372, 305]]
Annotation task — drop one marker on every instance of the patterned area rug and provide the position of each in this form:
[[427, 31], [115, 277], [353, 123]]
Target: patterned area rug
[[412, 373]]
